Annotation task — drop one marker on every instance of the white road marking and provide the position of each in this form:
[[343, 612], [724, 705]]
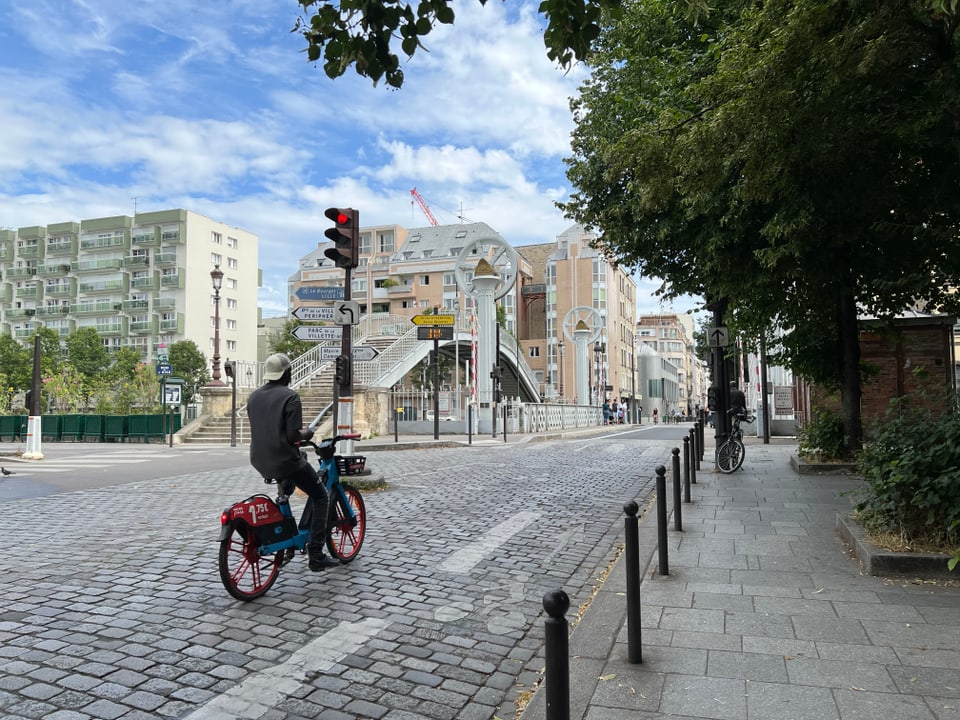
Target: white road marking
[[464, 560], [265, 690]]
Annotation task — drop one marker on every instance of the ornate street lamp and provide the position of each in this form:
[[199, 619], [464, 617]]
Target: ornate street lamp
[[216, 276], [598, 363]]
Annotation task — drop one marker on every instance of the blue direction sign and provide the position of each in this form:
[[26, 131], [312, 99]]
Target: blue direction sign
[[312, 292]]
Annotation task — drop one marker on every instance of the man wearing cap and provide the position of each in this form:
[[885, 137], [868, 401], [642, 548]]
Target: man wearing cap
[[276, 429]]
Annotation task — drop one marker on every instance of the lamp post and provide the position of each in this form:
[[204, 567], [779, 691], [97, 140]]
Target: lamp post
[[216, 275], [230, 368], [561, 347]]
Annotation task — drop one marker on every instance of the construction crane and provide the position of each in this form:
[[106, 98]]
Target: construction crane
[[423, 206]]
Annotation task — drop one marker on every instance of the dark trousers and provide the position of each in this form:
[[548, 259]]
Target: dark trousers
[[315, 511]]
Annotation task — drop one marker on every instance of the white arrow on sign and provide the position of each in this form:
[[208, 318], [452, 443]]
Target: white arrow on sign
[[317, 332], [314, 313], [346, 312]]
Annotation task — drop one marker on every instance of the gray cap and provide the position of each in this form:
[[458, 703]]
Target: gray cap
[[275, 366]]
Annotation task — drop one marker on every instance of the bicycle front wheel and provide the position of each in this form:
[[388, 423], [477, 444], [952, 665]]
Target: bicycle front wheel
[[345, 535], [730, 455], [244, 572]]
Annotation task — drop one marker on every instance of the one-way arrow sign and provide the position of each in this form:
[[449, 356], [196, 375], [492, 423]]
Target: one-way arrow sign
[[718, 337]]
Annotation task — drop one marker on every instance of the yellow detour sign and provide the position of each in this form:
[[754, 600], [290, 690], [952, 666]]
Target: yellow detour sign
[[434, 320]]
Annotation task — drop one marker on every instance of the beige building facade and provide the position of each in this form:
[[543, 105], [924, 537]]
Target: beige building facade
[[138, 280]]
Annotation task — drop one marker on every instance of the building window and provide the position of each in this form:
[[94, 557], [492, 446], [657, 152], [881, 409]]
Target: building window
[[231, 324], [231, 304], [424, 279], [231, 242], [231, 345], [535, 352], [217, 238], [216, 259], [231, 263], [231, 283]]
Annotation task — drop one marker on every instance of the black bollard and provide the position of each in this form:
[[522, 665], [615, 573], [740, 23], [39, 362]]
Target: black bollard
[[632, 552], [557, 671], [677, 519], [694, 466], [662, 519], [686, 469], [700, 443]]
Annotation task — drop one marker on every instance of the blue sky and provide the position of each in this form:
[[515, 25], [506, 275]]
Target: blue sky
[[110, 104]]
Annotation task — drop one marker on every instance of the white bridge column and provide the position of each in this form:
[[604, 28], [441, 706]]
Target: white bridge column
[[485, 285], [581, 338]]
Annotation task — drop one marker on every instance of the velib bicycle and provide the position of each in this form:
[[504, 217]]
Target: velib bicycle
[[731, 451], [259, 535]]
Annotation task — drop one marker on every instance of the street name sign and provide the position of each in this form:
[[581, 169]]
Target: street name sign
[[164, 368], [325, 314], [360, 354], [433, 320], [317, 332], [312, 292]]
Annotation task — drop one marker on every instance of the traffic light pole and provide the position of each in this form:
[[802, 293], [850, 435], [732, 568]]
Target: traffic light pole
[[343, 417]]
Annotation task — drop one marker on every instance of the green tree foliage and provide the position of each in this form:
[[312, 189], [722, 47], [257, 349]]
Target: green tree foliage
[[190, 364], [283, 341], [15, 364], [795, 159], [86, 353]]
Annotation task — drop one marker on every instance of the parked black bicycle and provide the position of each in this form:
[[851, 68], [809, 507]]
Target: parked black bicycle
[[730, 452]]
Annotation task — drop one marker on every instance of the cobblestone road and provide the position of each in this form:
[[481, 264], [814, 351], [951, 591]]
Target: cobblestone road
[[112, 606]]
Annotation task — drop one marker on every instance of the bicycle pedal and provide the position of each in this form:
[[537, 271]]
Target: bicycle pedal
[[287, 556]]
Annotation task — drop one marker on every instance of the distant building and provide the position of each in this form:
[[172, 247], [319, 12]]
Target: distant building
[[670, 335], [138, 281]]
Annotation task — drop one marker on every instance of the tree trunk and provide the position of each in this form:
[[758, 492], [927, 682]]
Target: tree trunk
[[850, 371]]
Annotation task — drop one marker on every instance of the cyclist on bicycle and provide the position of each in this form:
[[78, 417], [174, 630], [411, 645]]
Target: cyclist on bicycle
[[276, 429]]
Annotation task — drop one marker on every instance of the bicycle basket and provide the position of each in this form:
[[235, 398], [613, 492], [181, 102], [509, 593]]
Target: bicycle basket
[[351, 464]]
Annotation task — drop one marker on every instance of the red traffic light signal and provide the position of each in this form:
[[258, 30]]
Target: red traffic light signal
[[345, 235]]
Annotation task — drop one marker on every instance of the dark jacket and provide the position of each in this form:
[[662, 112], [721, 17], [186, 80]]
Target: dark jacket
[[276, 416]]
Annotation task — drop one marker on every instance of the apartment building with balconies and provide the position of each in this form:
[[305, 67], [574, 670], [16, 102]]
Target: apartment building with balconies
[[138, 280]]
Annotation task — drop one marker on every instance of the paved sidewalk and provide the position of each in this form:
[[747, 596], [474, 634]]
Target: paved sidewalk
[[765, 615]]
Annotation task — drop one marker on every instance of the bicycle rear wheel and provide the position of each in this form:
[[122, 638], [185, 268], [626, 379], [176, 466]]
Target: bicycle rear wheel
[[244, 572], [345, 535], [730, 455]]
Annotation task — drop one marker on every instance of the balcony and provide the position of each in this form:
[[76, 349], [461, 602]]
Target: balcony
[[170, 236], [146, 282], [172, 325], [47, 270], [63, 288], [148, 327], [20, 273], [135, 261], [114, 327], [402, 290], [165, 258], [31, 293], [20, 312], [30, 250], [6, 293], [164, 303], [104, 286], [172, 280], [61, 246], [136, 305], [112, 242], [96, 265], [24, 333], [146, 238], [97, 308], [53, 310]]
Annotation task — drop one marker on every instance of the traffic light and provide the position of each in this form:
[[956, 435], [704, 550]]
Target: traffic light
[[345, 235], [342, 370], [712, 398]]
